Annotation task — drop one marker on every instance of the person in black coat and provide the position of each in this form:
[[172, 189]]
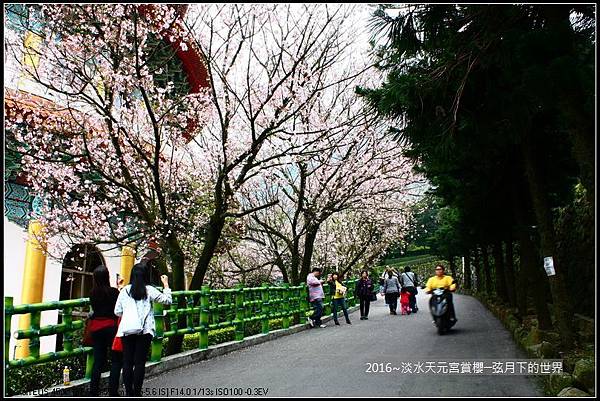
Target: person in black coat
[[364, 291], [103, 329]]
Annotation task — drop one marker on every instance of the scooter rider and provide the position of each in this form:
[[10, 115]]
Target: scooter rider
[[440, 280]]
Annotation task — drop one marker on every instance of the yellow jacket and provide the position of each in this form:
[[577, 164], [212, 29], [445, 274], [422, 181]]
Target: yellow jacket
[[437, 282], [339, 288]]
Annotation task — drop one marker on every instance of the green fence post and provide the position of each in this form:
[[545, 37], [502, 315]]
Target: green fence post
[[286, 306], [34, 345], [174, 314], [265, 308], [327, 308], [204, 316], [89, 359], [89, 365], [157, 341], [189, 313], [239, 313], [68, 335], [306, 307], [8, 305], [351, 287]]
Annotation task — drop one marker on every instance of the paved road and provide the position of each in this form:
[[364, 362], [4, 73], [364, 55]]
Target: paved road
[[332, 361]]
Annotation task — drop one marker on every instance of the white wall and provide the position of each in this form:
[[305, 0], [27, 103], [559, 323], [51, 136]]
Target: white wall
[[112, 259], [14, 259]]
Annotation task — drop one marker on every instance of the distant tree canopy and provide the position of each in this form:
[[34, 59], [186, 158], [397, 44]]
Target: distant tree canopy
[[496, 106]]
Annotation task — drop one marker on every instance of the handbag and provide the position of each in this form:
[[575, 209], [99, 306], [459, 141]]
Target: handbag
[[373, 296], [134, 325], [117, 344]]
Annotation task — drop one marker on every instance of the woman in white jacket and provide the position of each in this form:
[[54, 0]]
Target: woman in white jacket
[[137, 326]]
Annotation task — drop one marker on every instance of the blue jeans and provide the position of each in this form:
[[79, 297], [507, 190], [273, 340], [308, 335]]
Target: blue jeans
[[341, 302], [318, 312]]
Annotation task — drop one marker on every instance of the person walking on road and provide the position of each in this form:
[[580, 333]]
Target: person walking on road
[[137, 327], [315, 297], [410, 281], [391, 289], [103, 328], [364, 292], [338, 293]]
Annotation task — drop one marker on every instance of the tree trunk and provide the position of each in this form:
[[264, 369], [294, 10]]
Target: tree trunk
[[467, 275], [500, 280], [295, 263], [486, 269], [309, 247], [452, 264], [521, 288], [279, 263], [177, 257], [509, 270], [531, 272], [478, 277], [541, 207], [215, 228], [530, 277]]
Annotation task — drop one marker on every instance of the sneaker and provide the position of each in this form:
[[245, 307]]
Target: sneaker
[[366, 318], [348, 322], [337, 323], [362, 318], [310, 321], [323, 326]]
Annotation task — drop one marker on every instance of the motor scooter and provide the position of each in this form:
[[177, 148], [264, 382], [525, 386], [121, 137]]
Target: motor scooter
[[439, 305]]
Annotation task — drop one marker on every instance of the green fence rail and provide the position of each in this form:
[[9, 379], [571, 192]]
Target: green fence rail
[[35, 332], [191, 312]]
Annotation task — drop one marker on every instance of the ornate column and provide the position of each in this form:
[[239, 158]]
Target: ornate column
[[33, 278], [127, 262]]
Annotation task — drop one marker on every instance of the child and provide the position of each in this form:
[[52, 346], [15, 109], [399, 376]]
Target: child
[[405, 301]]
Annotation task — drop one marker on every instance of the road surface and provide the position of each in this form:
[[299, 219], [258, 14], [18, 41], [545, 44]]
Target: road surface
[[333, 361]]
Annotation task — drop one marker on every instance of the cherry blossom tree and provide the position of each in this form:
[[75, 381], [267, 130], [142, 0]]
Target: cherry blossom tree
[[268, 64], [122, 157], [109, 152], [361, 186]]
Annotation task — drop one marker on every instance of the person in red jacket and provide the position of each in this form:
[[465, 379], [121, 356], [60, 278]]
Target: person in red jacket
[[405, 301]]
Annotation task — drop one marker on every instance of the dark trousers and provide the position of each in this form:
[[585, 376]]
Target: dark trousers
[[412, 302], [365, 303], [135, 353], [339, 303], [318, 311], [103, 340], [392, 300]]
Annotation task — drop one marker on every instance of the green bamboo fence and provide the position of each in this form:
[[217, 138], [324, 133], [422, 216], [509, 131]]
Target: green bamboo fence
[[35, 332], [201, 311]]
